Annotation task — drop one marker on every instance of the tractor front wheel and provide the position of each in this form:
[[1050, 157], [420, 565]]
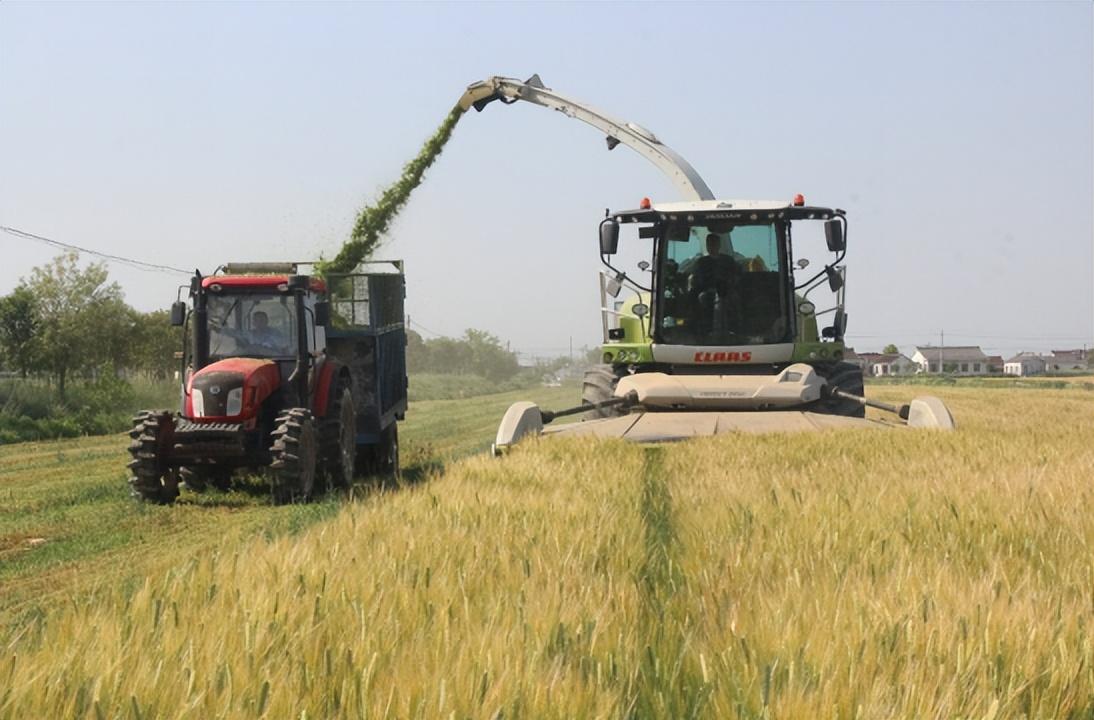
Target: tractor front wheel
[[842, 376], [599, 385], [295, 453], [151, 439]]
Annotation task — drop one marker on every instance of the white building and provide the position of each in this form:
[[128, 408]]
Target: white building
[[885, 364], [1025, 363], [952, 360]]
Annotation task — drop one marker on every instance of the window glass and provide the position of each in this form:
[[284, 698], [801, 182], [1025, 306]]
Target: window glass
[[723, 285], [252, 325]]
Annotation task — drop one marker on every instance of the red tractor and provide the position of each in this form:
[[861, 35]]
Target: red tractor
[[302, 376]]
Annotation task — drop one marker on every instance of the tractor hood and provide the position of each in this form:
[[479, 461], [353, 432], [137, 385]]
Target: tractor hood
[[231, 390]]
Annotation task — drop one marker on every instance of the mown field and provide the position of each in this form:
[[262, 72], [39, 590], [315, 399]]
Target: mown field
[[867, 574]]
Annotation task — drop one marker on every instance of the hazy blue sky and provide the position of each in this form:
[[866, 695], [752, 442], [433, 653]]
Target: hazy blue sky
[[957, 136]]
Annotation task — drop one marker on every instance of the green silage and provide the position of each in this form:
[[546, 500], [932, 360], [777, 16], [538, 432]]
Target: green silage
[[373, 221]]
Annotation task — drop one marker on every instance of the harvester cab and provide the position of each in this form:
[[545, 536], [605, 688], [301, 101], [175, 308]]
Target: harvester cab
[[300, 375]]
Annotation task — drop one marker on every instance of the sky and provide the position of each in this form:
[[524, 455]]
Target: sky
[[959, 138]]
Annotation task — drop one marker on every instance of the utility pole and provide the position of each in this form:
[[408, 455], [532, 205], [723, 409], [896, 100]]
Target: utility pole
[[941, 344], [571, 349]]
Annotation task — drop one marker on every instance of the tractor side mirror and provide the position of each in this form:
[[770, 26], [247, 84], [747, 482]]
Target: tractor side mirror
[[322, 314], [833, 235], [178, 313], [609, 237]]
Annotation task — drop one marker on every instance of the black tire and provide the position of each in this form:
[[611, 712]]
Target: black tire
[[338, 438], [843, 376], [382, 459], [151, 437], [199, 477], [599, 385], [295, 453]]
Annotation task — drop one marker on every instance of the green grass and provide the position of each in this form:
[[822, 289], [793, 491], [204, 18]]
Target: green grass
[[72, 496]]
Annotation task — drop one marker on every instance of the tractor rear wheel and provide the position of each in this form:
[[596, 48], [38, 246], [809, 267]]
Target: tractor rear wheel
[[295, 454], [843, 376], [150, 441], [338, 437], [599, 385]]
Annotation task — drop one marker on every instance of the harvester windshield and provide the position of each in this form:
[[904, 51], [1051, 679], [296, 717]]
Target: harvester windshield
[[724, 284], [251, 325]]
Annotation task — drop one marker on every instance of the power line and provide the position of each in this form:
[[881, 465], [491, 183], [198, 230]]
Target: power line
[[138, 264]]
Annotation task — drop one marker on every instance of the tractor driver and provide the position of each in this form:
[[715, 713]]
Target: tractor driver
[[262, 334]]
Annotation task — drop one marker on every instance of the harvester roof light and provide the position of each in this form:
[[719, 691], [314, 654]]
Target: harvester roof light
[[691, 218], [753, 216], [283, 287], [645, 204], [799, 200], [216, 287]]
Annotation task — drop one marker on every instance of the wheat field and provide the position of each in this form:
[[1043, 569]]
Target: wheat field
[[867, 574]]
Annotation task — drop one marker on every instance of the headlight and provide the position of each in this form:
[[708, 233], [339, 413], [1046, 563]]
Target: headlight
[[197, 401], [806, 308], [235, 402]]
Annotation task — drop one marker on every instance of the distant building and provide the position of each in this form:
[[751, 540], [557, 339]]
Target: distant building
[[995, 363], [885, 364], [1066, 360], [953, 360], [1025, 363]]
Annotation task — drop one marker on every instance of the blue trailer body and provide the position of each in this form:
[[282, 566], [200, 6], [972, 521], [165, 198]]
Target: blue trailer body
[[367, 334]]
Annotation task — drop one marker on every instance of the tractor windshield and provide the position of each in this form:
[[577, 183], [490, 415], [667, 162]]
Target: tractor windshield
[[251, 325], [723, 284]]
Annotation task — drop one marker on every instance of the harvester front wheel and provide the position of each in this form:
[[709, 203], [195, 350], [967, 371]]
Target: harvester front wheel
[[338, 437], [151, 439], [599, 385], [842, 376], [295, 453]]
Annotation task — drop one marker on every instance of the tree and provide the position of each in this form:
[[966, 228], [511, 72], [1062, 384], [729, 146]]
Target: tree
[[83, 320], [18, 329], [891, 349], [155, 342]]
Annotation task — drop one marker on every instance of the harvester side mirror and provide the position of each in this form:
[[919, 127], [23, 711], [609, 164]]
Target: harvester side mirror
[[838, 328], [609, 237], [835, 278], [178, 313], [833, 235], [322, 314]]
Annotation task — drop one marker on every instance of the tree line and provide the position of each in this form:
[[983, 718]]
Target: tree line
[[66, 322]]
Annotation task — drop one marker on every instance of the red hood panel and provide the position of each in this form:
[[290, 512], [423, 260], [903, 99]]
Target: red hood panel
[[259, 378]]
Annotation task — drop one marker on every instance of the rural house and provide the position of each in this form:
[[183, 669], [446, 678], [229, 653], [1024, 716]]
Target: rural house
[[1025, 363], [955, 359], [1066, 360], [882, 364]]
